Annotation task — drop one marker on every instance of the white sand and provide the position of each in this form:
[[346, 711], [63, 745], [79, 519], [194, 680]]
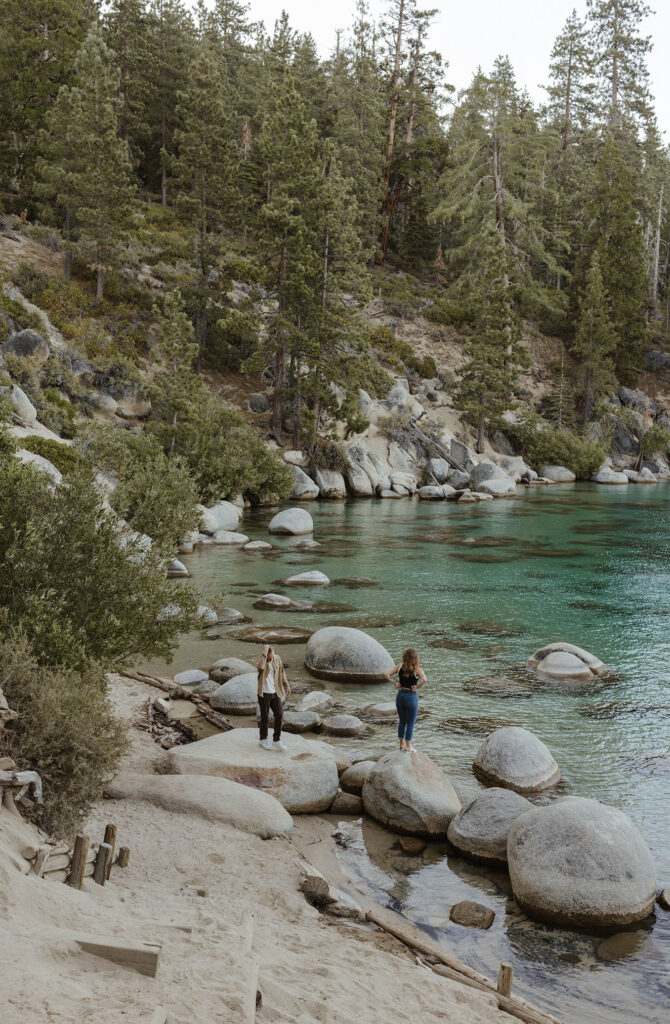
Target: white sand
[[251, 922]]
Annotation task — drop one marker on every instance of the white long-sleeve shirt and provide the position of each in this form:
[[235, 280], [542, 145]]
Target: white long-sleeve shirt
[[269, 684]]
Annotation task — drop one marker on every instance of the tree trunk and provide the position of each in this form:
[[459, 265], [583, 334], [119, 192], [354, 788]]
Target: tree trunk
[[395, 97], [277, 427], [657, 253], [480, 437], [99, 292], [568, 103]]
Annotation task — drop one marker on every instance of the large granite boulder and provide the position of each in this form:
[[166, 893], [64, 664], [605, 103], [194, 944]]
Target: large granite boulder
[[292, 521], [409, 794], [227, 668], [303, 778], [481, 828], [28, 344], [39, 463], [239, 696], [330, 483], [354, 778], [226, 515], [304, 488], [566, 661], [229, 537], [350, 655], [358, 481], [463, 455], [514, 758], [190, 677], [313, 578], [559, 474], [579, 863], [497, 487], [606, 475], [438, 470], [315, 700], [211, 799], [23, 407], [342, 725], [485, 470]]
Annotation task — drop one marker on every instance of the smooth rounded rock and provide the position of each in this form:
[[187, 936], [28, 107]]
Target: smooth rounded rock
[[190, 676], [316, 700], [480, 829], [566, 661], [211, 799], [354, 778], [224, 515], [558, 474], [304, 778], [472, 915], [274, 635], [238, 696], [207, 615], [497, 487], [229, 616], [514, 758], [343, 725], [293, 521], [279, 602], [229, 537], [605, 475], [258, 545], [304, 488], [176, 569], [313, 578], [409, 794], [579, 863], [347, 804], [350, 655], [227, 668]]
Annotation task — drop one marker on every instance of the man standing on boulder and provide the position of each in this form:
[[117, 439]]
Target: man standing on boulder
[[273, 688]]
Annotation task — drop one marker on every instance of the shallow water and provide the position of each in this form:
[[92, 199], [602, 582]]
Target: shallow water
[[476, 589]]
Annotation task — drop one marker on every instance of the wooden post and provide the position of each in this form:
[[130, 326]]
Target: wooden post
[[78, 865], [124, 857], [100, 871], [505, 976], [110, 839]]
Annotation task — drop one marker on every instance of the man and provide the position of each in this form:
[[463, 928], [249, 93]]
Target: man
[[273, 687]]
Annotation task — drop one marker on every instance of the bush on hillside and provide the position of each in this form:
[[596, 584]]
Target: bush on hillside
[[154, 492], [62, 456], [65, 730], [384, 340], [542, 445], [80, 591], [326, 454]]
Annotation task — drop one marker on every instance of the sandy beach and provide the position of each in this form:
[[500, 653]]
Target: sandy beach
[[225, 907]]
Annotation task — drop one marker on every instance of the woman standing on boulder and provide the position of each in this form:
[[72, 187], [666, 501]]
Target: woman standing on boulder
[[273, 687], [411, 678]]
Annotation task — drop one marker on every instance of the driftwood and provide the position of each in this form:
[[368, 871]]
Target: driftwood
[[173, 690], [142, 957], [448, 966], [433, 446]]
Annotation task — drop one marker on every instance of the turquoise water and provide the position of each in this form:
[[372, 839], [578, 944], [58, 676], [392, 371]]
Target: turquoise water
[[581, 563]]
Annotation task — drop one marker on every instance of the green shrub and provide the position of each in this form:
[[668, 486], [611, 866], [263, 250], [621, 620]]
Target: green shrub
[[655, 439], [57, 413], [62, 456], [154, 492], [384, 340], [22, 372], [80, 592], [328, 454], [448, 313], [66, 731], [374, 379], [394, 427], [542, 445]]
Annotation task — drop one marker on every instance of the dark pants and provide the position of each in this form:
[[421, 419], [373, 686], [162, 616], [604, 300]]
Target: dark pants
[[265, 702], [407, 703]]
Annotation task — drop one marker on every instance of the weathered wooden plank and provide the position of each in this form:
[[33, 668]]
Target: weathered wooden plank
[[110, 839], [124, 857], [79, 857], [137, 956], [505, 977], [101, 861]]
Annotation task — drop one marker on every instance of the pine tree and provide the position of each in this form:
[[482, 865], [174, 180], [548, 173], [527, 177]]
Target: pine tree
[[571, 89], [38, 46], [59, 167], [495, 355], [595, 341], [615, 233], [176, 391], [620, 62], [127, 33], [95, 174]]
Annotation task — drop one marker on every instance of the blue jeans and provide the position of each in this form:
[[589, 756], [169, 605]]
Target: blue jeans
[[407, 703]]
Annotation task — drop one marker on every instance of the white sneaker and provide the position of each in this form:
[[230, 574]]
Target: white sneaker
[[278, 745], [265, 744]]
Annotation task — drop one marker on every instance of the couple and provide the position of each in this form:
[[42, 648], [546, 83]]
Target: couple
[[273, 687]]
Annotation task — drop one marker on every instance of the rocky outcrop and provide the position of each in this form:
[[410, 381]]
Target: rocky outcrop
[[579, 863], [238, 696], [304, 488], [304, 778], [481, 828], [293, 521], [211, 799], [349, 655], [408, 793], [606, 475], [23, 407], [330, 483], [41, 464], [514, 758], [566, 661], [558, 474], [28, 344]]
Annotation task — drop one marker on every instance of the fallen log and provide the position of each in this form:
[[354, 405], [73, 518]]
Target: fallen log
[[167, 685]]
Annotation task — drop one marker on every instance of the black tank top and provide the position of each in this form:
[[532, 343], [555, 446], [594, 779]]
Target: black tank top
[[407, 679]]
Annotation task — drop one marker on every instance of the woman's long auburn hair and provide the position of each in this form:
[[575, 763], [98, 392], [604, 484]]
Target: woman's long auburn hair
[[410, 660]]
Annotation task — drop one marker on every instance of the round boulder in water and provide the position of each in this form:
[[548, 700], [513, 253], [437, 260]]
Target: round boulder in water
[[409, 794], [343, 725], [514, 758], [227, 668], [481, 828], [313, 578], [190, 677], [239, 696], [292, 521], [565, 661], [580, 863], [350, 655]]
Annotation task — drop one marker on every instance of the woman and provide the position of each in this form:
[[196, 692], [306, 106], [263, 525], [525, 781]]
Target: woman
[[273, 688], [411, 678]]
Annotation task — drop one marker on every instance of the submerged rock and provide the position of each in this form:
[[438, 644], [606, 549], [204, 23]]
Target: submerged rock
[[339, 652], [498, 686], [514, 758], [313, 578], [579, 863], [408, 793], [279, 602], [472, 915], [273, 635], [258, 545], [483, 627], [481, 828]]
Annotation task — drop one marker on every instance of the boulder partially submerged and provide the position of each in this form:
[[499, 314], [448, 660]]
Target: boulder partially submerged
[[480, 829], [409, 794], [237, 696], [293, 521], [565, 661], [350, 655], [580, 863], [514, 758]]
